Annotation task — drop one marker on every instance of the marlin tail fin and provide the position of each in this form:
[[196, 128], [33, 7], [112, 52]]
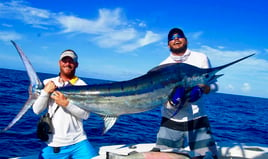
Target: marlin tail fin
[[35, 84]]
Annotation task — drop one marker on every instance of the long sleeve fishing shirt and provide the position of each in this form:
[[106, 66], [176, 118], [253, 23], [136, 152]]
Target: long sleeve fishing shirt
[[67, 121]]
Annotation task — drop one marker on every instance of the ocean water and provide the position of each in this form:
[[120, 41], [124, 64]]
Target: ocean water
[[234, 119]]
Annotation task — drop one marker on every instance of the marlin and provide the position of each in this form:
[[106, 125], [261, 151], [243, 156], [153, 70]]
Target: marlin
[[110, 100]]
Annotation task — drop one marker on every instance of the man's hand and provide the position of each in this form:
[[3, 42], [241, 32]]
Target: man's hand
[[60, 99], [50, 87], [205, 88], [197, 91], [177, 97]]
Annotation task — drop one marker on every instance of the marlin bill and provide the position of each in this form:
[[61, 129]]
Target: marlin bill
[[110, 100]]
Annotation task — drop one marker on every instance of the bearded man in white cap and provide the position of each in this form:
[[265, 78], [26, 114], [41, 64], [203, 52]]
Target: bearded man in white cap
[[68, 140]]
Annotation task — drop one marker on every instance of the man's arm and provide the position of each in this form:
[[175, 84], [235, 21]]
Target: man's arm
[[42, 101], [61, 100]]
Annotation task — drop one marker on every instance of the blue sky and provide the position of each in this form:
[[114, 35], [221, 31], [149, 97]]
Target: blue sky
[[122, 39]]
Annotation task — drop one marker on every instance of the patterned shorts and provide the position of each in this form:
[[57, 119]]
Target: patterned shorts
[[195, 134]]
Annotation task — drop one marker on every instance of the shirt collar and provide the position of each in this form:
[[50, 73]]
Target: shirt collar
[[180, 59]]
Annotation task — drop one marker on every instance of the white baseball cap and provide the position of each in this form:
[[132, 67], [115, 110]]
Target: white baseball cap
[[69, 53]]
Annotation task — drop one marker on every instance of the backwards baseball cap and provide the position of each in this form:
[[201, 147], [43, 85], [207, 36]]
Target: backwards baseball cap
[[175, 31], [69, 53]]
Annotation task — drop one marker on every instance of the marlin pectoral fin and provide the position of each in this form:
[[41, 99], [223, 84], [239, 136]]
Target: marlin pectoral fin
[[109, 121]]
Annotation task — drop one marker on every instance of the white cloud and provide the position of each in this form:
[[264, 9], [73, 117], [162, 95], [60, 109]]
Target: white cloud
[[107, 21], [76, 24], [29, 15], [230, 87], [109, 29], [251, 73], [149, 38], [220, 56], [142, 24], [246, 87], [196, 35], [7, 25], [221, 47], [115, 38], [7, 36]]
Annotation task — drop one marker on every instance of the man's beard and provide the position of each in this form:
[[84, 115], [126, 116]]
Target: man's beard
[[68, 74], [179, 50]]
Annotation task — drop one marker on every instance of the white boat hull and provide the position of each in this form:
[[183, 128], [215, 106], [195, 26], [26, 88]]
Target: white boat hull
[[235, 151]]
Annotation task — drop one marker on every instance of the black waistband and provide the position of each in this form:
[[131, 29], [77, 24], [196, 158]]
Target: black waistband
[[202, 122], [56, 149]]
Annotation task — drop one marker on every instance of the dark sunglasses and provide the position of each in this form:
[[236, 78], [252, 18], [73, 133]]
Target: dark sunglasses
[[174, 36]]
